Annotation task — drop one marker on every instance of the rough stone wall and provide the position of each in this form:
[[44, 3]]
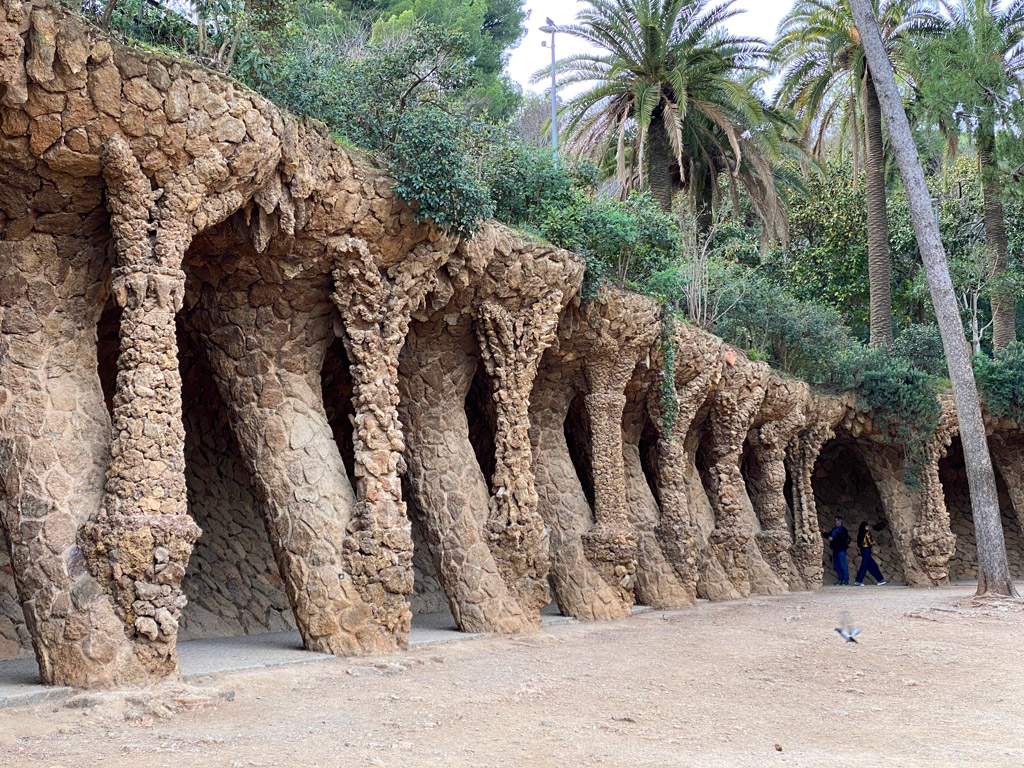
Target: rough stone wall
[[232, 584], [964, 563]]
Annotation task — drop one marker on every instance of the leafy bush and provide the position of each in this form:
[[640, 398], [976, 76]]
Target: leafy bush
[[921, 345], [902, 398], [1001, 381], [801, 338], [634, 240]]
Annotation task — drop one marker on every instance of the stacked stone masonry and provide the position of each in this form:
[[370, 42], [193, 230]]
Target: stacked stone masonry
[[242, 390]]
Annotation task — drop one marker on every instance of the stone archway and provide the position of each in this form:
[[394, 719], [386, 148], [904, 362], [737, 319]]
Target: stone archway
[[843, 486], [963, 565]]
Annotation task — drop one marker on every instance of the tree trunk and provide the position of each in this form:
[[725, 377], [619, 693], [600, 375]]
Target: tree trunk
[[1004, 308], [659, 165], [993, 569], [879, 261]]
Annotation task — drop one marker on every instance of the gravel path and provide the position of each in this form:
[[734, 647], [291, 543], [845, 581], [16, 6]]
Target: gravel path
[[933, 682]]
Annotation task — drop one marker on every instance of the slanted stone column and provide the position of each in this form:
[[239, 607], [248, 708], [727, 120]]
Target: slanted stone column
[[437, 366], [623, 332], [140, 543], [54, 449], [375, 309], [1008, 456], [933, 543], [657, 583], [698, 368], [512, 345], [580, 590], [735, 406], [801, 456], [901, 504], [768, 442]]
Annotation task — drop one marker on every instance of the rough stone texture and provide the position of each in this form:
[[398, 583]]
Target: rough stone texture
[[365, 417], [964, 563]]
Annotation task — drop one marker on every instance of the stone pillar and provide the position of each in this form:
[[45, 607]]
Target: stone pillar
[[698, 368], [657, 582], [933, 543], [512, 345], [140, 543], [736, 403], [623, 333], [801, 456], [580, 590], [375, 311], [768, 476], [901, 505], [437, 366]]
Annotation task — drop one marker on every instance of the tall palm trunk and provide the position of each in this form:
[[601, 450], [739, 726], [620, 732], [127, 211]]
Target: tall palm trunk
[[879, 260], [659, 165], [1004, 308], [993, 569]]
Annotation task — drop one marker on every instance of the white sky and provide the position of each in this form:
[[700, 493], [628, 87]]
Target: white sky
[[761, 20]]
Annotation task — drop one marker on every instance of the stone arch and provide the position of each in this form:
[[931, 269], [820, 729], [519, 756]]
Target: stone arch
[[576, 429], [843, 485], [963, 565]]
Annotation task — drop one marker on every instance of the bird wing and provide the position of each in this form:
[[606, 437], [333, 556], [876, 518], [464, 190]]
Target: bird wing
[[844, 621], [854, 632]]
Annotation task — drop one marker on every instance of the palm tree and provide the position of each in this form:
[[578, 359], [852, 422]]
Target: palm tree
[[675, 95], [975, 72], [825, 80]]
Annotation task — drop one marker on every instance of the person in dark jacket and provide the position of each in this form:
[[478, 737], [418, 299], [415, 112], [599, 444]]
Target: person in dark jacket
[[867, 562], [839, 542]]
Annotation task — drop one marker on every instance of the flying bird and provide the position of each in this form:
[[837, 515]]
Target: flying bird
[[846, 629]]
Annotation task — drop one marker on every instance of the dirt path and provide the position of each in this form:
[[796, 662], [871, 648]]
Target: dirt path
[[720, 685]]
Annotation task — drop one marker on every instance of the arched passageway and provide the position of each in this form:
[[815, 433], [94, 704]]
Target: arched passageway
[[843, 486]]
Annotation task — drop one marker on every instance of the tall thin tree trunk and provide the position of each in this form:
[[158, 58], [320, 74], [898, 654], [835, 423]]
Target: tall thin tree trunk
[[659, 165], [993, 569], [879, 260], [1004, 308]]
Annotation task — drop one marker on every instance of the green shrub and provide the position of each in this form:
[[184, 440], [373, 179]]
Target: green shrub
[[922, 345], [801, 338], [902, 398], [1001, 382], [631, 241]]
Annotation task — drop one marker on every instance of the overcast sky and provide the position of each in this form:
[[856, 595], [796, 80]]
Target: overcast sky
[[761, 19]]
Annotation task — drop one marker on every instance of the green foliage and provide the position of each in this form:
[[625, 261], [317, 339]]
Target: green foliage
[[902, 398], [921, 345], [634, 241], [526, 181], [402, 100], [668, 397], [799, 337], [1001, 382]]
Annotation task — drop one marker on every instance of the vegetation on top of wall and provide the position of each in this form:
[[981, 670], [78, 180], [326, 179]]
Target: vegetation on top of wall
[[1001, 381]]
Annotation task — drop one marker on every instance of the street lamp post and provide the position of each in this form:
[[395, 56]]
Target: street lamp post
[[550, 28]]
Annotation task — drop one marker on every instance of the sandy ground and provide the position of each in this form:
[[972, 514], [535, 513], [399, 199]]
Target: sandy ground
[[932, 683]]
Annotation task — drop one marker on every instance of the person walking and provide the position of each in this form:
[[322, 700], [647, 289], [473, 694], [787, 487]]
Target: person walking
[[839, 542], [867, 562]]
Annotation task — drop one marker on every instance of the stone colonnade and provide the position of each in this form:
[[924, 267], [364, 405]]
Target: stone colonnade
[[611, 458]]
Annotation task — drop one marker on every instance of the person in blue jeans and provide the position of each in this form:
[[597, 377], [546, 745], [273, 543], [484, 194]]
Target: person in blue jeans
[[839, 542], [867, 562]]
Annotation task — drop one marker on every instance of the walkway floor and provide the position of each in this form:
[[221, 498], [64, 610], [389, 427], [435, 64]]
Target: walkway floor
[[20, 684]]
